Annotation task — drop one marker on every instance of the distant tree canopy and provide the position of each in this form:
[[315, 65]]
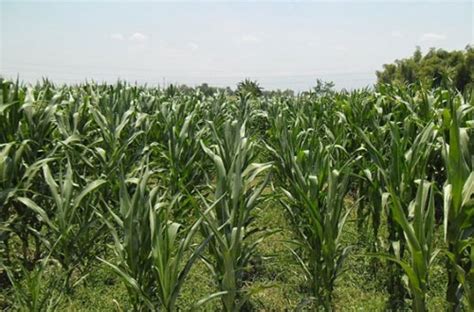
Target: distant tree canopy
[[249, 87], [432, 69]]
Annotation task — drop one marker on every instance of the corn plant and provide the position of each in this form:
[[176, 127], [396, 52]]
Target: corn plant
[[153, 254], [364, 108], [317, 182], [237, 194], [464, 275], [116, 135], [72, 223], [26, 118], [418, 227], [177, 129], [458, 204], [10, 110], [37, 291], [400, 168]]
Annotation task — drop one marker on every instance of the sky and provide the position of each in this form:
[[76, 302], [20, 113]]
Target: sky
[[283, 45]]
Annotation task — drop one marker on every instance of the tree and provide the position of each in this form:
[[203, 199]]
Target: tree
[[249, 87], [323, 87], [435, 68]]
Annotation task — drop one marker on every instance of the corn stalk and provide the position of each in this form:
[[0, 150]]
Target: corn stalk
[[317, 181], [458, 206], [237, 194], [153, 254], [418, 227]]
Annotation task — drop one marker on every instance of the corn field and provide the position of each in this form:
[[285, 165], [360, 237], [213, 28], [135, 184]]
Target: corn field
[[179, 199]]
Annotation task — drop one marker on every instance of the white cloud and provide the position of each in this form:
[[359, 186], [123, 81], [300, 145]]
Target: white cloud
[[193, 46], [432, 37], [117, 36], [248, 38], [138, 37], [397, 34]]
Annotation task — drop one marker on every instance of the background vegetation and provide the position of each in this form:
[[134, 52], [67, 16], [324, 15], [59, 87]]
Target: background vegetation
[[433, 69]]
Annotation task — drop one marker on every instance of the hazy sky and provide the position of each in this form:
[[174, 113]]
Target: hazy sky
[[282, 44]]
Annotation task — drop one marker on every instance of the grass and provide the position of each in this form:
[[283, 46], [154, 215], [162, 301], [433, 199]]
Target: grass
[[99, 292]]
